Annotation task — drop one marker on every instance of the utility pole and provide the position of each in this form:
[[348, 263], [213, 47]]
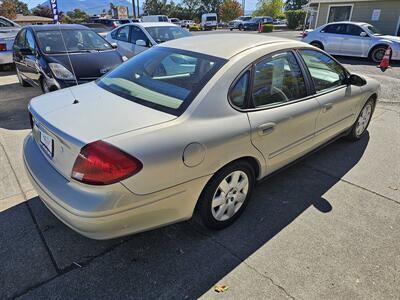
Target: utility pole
[[244, 7], [134, 9], [138, 8]]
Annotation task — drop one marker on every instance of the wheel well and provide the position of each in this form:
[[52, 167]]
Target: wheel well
[[376, 46], [374, 97], [318, 42]]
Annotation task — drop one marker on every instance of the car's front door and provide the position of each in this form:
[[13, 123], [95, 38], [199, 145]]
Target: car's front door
[[125, 47], [137, 34], [355, 42], [18, 58], [338, 99], [31, 61], [284, 115]]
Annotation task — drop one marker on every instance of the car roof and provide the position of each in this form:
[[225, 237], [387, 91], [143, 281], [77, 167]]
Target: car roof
[[152, 24], [226, 45], [55, 27], [349, 22]]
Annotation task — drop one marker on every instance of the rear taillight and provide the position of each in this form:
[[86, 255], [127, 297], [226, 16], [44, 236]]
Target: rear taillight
[[305, 34], [100, 163], [3, 47]]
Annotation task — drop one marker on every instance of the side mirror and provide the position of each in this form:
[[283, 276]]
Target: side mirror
[[363, 34], [141, 43], [26, 51], [356, 80], [114, 45]]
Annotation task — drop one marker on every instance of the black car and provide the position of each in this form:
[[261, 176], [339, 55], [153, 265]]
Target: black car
[[255, 22], [59, 56]]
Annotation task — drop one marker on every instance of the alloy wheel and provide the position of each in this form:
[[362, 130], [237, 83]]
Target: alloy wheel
[[363, 119], [230, 195]]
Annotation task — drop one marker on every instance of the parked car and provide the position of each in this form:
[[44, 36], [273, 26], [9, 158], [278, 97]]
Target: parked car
[[8, 31], [238, 23], [173, 129], [353, 39], [58, 56], [135, 38], [110, 23], [255, 22], [99, 28], [186, 23], [155, 18], [209, 21], [175, 21]]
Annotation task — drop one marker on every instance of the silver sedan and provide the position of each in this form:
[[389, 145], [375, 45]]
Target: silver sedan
[[353, 39], [192, 123]]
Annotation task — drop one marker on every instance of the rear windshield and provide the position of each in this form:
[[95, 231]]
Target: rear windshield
[[211, 19], [71, 40], [165, 79], [123, 21], [165, 33]]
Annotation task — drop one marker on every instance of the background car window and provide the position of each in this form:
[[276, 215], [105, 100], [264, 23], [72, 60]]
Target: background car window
[[123, 34], [353, 30], [325, 72], [238, 92], [278, 79], [165, 33], [5, 23], [335, 29], [138, 34], [30, 41]]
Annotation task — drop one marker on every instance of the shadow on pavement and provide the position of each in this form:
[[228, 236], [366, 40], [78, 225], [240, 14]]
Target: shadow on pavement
[[183, 260]]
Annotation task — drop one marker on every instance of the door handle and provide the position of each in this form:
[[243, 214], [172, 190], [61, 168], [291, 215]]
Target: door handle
[[266, 128], [327, 107]]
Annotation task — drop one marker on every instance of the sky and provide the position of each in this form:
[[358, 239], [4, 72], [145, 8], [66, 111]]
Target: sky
[[250, 4]]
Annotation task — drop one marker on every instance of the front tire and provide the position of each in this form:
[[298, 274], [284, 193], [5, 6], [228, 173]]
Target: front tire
[[363, 120], [377, 54], [317, 44], [226, 195], [240, 27]]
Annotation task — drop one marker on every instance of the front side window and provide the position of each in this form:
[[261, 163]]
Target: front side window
[[339, 13], [165, 79], [123, 34], [354, 30], [278, 79], [239, 90], [5, 23], [30, 41], [138, 34], [325, 72], [71, 40], [165, 33]]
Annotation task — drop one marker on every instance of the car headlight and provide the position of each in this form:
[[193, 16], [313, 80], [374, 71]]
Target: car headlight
[[61, 72]]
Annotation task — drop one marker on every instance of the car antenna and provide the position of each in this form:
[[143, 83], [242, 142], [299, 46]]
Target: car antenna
[[70, 63]]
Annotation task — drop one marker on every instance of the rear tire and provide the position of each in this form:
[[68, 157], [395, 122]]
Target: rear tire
[[363, 120], [44, 85], [317, 44], [240, 27], [226, 195]]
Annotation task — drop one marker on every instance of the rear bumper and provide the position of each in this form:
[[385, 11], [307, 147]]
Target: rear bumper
[[6, 57], [104, 212]]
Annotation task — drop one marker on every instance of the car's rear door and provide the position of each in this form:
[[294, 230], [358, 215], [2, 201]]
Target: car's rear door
[[284, 113], [122, 37], [355, 43], [338, 100]]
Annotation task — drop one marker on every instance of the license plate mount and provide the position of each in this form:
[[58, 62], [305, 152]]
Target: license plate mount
[[47, 142]]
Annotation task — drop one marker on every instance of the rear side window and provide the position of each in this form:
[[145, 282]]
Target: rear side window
[[239, 90], [123, 34], [138, 34], [278, 79], [335, 28], [325, 72]]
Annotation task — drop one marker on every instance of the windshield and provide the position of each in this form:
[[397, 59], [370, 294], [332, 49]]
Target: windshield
[[213, 18], [373, 30], [255, 20], [165, 33], [165, 79], [76, 40]]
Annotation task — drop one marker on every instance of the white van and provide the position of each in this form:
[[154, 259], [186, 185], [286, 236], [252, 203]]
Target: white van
[[155, 18], [209, 21]]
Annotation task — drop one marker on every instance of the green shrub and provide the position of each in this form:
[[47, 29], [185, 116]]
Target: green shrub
[[295, 18], [267, 28]]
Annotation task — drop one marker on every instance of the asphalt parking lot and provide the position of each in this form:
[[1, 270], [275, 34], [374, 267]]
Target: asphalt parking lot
[[328, 227]]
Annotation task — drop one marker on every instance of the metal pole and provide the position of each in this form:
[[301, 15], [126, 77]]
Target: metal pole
[[133, 9], [138, 9], [244, 7]]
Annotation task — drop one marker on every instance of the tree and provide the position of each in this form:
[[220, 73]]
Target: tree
[[42, 11], [155, 7], [295, 4], [191, 7], [209, 6], [77, 16], [8, 9], [271, 8], [230, 10]]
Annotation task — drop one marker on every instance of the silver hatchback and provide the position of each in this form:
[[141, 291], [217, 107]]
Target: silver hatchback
[[187, 125]]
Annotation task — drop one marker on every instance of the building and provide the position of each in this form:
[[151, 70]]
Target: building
[[384, 14], [32, 20]]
